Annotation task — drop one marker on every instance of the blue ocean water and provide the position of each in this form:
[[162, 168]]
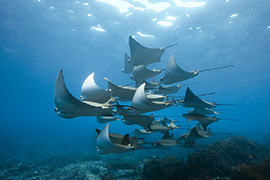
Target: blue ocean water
[[41, 37]]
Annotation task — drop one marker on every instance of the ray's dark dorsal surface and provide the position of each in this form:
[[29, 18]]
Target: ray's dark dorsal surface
[[174, 73], [140, 55]]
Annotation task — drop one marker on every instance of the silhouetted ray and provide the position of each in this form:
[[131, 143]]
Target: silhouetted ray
[[149, 85], [167, 89], [141, 55], [204, 120], [166, 140], [175, 74], [92, 92], [191, 100], [67, 106], [125, 93], [159, 128], [140, 73], [142, 120], [119, 138], [193, 134], [105, 144], [141, 104], [141, 132]]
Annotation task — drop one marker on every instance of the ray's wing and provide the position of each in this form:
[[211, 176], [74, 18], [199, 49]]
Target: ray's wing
[[141, 73], [191, 100], [175, 74], [193, 134], [92, 92], [123, 92], [142, 103], [203, 130], [168, 89], [141, 55], [142, 120], [125, 140], [67, 106], [105, 145], [190, 96]]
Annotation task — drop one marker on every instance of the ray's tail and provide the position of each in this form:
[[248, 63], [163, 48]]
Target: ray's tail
[[170, 46], [222, 67]]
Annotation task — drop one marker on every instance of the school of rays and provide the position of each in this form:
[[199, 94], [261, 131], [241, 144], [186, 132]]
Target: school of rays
[[143, 98]]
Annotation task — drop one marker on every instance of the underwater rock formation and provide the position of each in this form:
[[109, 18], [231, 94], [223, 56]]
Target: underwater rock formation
[[167, 168], [220, 159], [232, 158], [252, 172]]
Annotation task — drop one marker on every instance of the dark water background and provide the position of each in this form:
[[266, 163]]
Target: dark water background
[[38, 38]]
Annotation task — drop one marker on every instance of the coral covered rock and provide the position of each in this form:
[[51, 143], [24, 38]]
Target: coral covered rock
[[221, 157], [168, 168], [218, 160], [253, 172]]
